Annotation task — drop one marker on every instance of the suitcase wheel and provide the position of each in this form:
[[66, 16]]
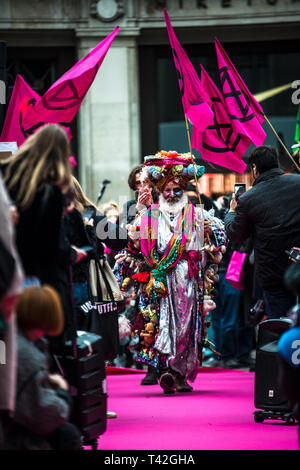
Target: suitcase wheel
[[290, 420], [258, 417], [93, 443]]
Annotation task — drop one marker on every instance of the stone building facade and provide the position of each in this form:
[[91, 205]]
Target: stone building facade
[[119, 120]]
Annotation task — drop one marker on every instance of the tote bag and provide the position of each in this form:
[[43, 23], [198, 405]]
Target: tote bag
[[235, 271], [102, 284], [105, 299]]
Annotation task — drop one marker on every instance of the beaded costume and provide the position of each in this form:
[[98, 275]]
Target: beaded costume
[[174, 269]]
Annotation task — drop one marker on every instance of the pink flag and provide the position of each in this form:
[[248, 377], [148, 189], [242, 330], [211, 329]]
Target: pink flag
[[22, 97], [219, 143], [195, 100], [244, 111], [61, 102]]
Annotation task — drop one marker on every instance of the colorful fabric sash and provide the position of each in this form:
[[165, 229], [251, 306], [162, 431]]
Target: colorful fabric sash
[[148, 237], [192, 257]]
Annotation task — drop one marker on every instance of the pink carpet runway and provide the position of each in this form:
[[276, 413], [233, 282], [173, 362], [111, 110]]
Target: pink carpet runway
[[217, 415]]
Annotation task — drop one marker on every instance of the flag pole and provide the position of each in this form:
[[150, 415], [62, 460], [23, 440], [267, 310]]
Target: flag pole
[[280, 141], [193, 159], [203, 323]]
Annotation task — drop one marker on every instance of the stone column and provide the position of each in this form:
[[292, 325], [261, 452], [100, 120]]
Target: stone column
[[109, 122]]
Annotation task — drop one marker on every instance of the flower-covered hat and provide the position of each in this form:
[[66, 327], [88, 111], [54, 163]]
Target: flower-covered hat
[[164, 166]]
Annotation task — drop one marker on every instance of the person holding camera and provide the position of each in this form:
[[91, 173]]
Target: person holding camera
[[269, 212]]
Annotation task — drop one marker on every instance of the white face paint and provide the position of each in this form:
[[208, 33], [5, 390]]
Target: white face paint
[[172, 192]]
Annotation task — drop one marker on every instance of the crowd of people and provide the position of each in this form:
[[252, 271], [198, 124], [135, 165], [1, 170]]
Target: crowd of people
[[169, 249], [48, 233]]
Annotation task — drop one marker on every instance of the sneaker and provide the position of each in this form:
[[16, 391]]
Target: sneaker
[[231, 363], [212, 362], [247, 361], [111, 415], [167, 383], [151, 377]]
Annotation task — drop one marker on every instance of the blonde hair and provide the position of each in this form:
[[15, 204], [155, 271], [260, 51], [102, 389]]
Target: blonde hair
[[110, 205], [42, 159], [80, 199], [40, 308]]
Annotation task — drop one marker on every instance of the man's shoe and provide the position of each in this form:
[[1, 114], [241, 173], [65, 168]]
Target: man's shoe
[[151, 377], [247, 361], [111, 415], [231, 363], [167, 383], [181, 384], [212, 362]]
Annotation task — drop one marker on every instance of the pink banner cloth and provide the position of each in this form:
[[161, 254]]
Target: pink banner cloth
[[22, 97], [219, 143], [245, 112], [195, 101], [28, 111], [235, 271]]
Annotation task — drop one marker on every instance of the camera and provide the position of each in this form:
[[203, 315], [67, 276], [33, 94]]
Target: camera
[[294, 254]]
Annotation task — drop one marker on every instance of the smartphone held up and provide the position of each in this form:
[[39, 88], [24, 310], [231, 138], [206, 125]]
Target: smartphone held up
[[239, 189], [87, 214]]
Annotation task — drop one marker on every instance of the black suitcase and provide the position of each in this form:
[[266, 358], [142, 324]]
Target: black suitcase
[[267, 394], [82, 363]]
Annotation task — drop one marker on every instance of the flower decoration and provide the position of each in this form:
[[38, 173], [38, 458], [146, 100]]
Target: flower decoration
[[166, 165], [177, 170]]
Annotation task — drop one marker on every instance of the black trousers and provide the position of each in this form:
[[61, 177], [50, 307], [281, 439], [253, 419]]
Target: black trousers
[[66, 437]]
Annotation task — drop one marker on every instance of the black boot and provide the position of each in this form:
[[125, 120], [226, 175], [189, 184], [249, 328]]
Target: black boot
[[151, 377], [181, 384], [167, 382]]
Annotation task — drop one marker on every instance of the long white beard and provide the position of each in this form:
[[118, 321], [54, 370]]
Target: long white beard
[[172, 208]]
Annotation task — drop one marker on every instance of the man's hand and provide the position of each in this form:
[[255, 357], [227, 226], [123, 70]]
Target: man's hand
[[144, 198], [58, 381], [133, 233], [292, 259], [80, 254], [207, 227], [14, 214], [87, 221], [121, 257], [233, 203]]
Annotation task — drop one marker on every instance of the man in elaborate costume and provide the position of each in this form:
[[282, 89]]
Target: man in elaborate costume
[[172, 259]]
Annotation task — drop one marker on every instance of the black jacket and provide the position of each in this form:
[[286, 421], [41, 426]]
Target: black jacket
[[270, 211], [128, 213], [37, 231], [80, 235], [44, 249], [112, 235]]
